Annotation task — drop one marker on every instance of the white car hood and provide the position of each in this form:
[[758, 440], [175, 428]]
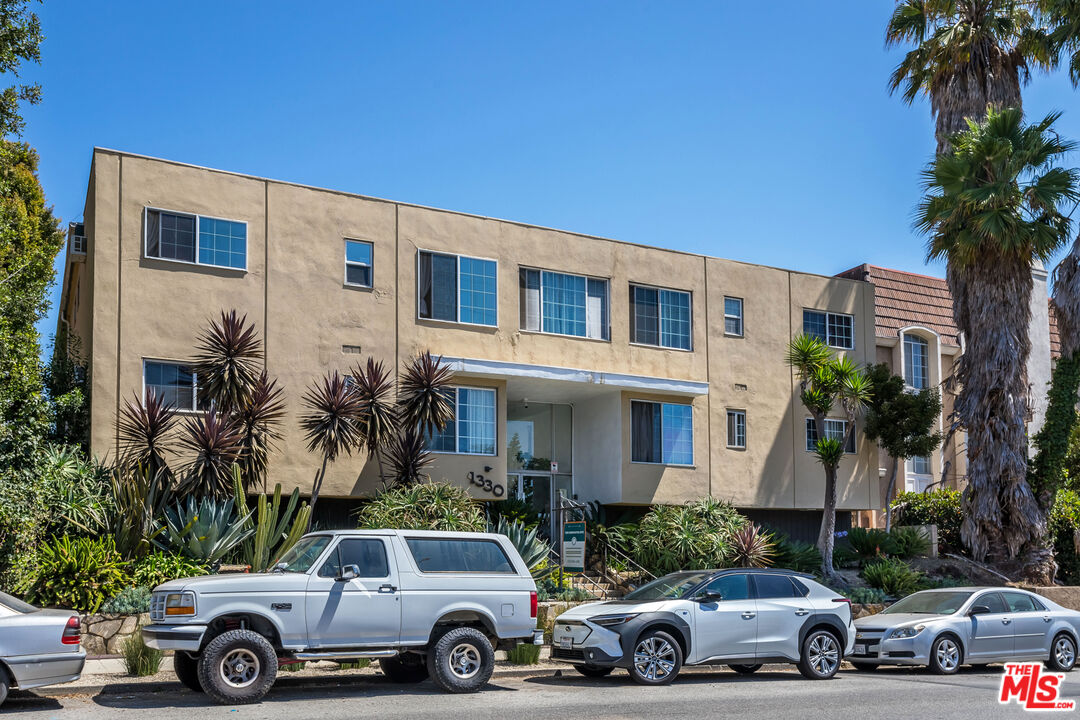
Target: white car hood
[[239, 582], [612, 607]]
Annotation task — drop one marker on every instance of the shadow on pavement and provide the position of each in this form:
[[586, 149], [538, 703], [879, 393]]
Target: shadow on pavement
[[26, 701]]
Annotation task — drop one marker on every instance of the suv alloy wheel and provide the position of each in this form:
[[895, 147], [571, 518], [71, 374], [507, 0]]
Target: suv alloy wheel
[[657, 658], [461, 660], [238, 667], [821, 655]]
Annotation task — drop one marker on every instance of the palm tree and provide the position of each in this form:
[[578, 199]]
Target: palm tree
[[992, 207], [379, 415], [331, 423], [1063, 19], [826, 381]]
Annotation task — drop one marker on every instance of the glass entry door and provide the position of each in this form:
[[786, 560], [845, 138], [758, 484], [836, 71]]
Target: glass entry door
[[540, 491]]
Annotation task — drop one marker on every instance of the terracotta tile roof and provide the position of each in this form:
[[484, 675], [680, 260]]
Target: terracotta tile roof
[[1055, 336], [903, 299]]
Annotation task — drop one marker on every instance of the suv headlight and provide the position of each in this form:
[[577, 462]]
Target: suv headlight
[[180, 604], [906, 632], [612, 620]]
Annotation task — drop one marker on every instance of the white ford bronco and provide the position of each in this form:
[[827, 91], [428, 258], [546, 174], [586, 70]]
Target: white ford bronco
[[424, 603]]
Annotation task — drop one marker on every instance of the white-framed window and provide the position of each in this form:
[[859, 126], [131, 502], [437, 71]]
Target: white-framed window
[[835, 329], [660, 317], [175, 383], [195, 239], [918, 476], [457, 288], [564, 304], [736, 429], [358, 263], [472, 431], [661, 433], [836, 429], [733, 316], [916, 361], [919, 465]]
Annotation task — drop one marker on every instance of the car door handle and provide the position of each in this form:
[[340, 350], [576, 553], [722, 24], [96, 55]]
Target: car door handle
[[801, 611], [749, 615], [1047, 618], [1005, 621], [387, 588]]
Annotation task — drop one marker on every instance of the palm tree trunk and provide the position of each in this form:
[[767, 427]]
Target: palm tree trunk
[[827, 536], [315, 488], [889, 494]]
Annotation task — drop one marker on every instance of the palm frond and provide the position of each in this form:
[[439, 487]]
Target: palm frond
[[227, 362]]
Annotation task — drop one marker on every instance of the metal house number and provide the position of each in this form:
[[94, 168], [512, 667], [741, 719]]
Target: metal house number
[[485, 483]]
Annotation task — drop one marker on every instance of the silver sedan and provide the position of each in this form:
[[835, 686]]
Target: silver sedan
[[944, 629], [37, 647]]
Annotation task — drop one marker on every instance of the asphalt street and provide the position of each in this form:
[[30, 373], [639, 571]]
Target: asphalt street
[[888, 693]]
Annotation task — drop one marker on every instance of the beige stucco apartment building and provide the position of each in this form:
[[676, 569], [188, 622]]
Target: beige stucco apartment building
[[612, 371]]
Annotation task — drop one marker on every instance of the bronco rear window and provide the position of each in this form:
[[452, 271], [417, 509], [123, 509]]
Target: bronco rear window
[[459, 556]]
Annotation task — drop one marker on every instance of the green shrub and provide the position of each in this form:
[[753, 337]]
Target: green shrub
[[548, 589], [129, 601], [292, 667], [865, 596], [515, 509], [423, 506], [524, 654], [895, 577], [909, 542], [1064, 526], [869, 544], [796, 555], [938, 507], [358, 664], [139, 659], [694, 536], [78, 573], [160, 567]]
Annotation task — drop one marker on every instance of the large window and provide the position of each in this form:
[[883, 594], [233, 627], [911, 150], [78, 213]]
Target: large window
[[835, 329], [916, 361], [733, 316], [458, 556], [736, 429], [660, 317], [564, 304], [661, 433], [456, 288], [367, 554], [472, 431], [836, 429], [196, 239], [358, 263], [172, 382]]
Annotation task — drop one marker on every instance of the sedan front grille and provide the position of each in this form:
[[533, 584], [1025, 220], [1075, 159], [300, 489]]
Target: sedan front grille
[[157, 607]]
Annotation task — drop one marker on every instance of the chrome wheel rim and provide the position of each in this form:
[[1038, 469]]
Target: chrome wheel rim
[[464, 661], [1064, 652], [654, 658], [824, 654], [948, 654], [240, 668]]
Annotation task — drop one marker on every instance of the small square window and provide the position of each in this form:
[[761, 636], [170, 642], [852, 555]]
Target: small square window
[[174, 383], [836, 429], [358, 263]]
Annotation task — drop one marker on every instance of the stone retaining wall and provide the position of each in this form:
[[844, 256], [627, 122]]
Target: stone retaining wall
[[105, 634]]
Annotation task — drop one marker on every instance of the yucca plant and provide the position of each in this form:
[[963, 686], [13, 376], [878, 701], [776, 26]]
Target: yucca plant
[[424, 395], [138, 497], [204, 531], [870, 544], [533, 550], [331, 423], [750, 547], [228, 362], [696, 536], [217, 443], [275, 531], [259, 420], [143, 429]]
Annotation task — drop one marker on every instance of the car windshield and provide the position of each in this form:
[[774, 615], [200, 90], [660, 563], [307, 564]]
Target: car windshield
[[303, 554], [14, 605], [669, 587], [929, 603]]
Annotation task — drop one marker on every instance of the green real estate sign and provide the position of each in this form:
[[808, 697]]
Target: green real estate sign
[[573, 543]]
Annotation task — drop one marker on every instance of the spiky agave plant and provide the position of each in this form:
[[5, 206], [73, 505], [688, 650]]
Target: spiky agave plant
[[204, 530], [424, 394], [227, 363], [216, 443], [380, 419], [259, 420], [751, 547], [331, 423], [144, 428], [533, 550]]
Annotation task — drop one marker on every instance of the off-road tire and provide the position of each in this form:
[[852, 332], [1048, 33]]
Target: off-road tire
[[406, 668], [593, 671], [187, 670], [1062, 653], [666, 648], [821, 655], [945, 667], [745, 669], [472, 657], [248, 647]]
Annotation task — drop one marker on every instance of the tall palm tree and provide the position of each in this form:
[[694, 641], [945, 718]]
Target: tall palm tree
[[825, 382], [331, 423], [993, 205], [1063, 19]]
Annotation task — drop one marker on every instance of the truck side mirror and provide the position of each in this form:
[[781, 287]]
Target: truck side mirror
[[348, 572]]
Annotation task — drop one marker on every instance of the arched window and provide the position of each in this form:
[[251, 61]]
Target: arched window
[[916, 361]]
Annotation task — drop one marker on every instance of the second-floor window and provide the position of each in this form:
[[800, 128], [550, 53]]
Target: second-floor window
[[919, 465], [736, 429], [835, 329], [173, 382], [835, 429], [456, 288], [358, 263], [660, 317], [196, 239], [661, 433], [733, 319], [472, 431], [916, 361], [564, 304]]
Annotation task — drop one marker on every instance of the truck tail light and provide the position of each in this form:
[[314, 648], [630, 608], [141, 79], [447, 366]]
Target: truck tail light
[[71, 634], [533, 604]]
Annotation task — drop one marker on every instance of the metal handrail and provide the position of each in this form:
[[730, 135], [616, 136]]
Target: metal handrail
[[595, 587], [622, 557]]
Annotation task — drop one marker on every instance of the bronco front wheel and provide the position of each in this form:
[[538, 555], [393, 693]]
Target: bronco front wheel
[[238, 667]]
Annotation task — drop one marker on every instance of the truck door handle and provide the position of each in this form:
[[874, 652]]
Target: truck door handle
[[749, 615], [387, 588], [800, 612]]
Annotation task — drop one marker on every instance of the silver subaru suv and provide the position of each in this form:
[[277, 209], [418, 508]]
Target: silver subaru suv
[[424, 603]]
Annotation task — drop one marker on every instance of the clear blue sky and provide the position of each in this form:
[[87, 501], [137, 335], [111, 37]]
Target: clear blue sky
[[749, 130]]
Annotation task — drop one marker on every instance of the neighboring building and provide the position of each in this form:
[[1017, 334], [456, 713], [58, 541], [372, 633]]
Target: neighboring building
[[615, 372]]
